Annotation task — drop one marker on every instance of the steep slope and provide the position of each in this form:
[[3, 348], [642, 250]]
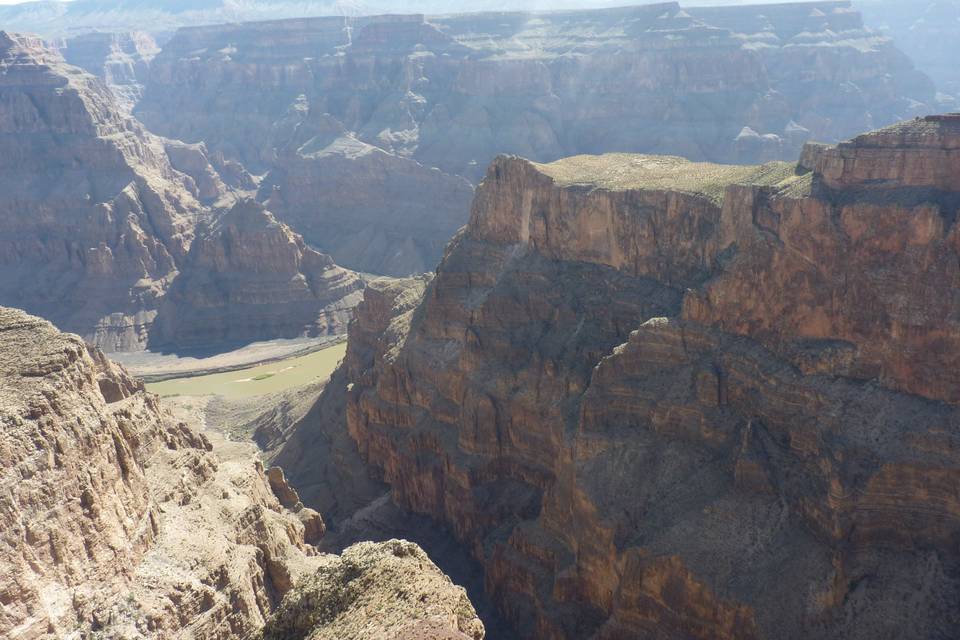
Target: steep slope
[[248, 277], [666, 399], [93, 217], [322, 105], [120, 521]]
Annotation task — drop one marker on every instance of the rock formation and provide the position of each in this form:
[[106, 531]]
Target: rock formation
[[120, 521], [666, 399], [377, 212], [121, 60], [389, 590], [97, 217], [248, 277], [93, 217], [322, 105]]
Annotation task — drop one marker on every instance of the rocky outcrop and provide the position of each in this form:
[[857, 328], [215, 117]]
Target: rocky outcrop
[[121, 521], [388, 590], [248, 277], [316, 451], [121, 60], [93, 217], [658, 398]]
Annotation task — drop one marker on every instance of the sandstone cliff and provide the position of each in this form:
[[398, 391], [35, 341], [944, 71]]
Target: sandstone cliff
[[120, 521], [667, 399], [248, 277], [93, 217], [322, 105]]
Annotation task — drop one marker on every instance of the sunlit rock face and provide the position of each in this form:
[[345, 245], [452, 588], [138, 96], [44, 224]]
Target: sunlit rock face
[[321, 104], [667, 399], [118, 519]]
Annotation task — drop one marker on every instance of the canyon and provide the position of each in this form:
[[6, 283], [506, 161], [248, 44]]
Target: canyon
[[415, 106], [669, 399], [367, 136], [652, 320], [123, 521], [99, 218]]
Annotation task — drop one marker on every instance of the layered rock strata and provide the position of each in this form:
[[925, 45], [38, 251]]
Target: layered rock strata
[[666, 399], [306, 100], [375, 211], [93, 216], [121, 60], [248, 277], [927, 31], [121, 521]]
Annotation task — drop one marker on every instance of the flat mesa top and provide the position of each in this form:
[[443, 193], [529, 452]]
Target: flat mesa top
[[627, 172]]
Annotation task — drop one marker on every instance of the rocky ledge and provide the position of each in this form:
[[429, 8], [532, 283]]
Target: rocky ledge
[[666, 399]]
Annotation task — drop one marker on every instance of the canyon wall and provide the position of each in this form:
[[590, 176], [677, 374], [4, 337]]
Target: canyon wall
[[666, 399], [93, 217], [121, 60], [121, 521], [927, 31], [306, 102], [97, 218], [248, 277]]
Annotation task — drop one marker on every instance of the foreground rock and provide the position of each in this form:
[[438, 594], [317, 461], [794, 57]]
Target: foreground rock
[[665, 399], [388, 590], [322, 106], [248, 277], [122, 522]]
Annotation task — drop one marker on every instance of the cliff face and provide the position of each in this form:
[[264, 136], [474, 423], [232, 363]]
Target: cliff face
[[109, 510], [375, 211], [305, 99], [248, 277], [120, 521], [93, 217], [667, 399], [121, 60]]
